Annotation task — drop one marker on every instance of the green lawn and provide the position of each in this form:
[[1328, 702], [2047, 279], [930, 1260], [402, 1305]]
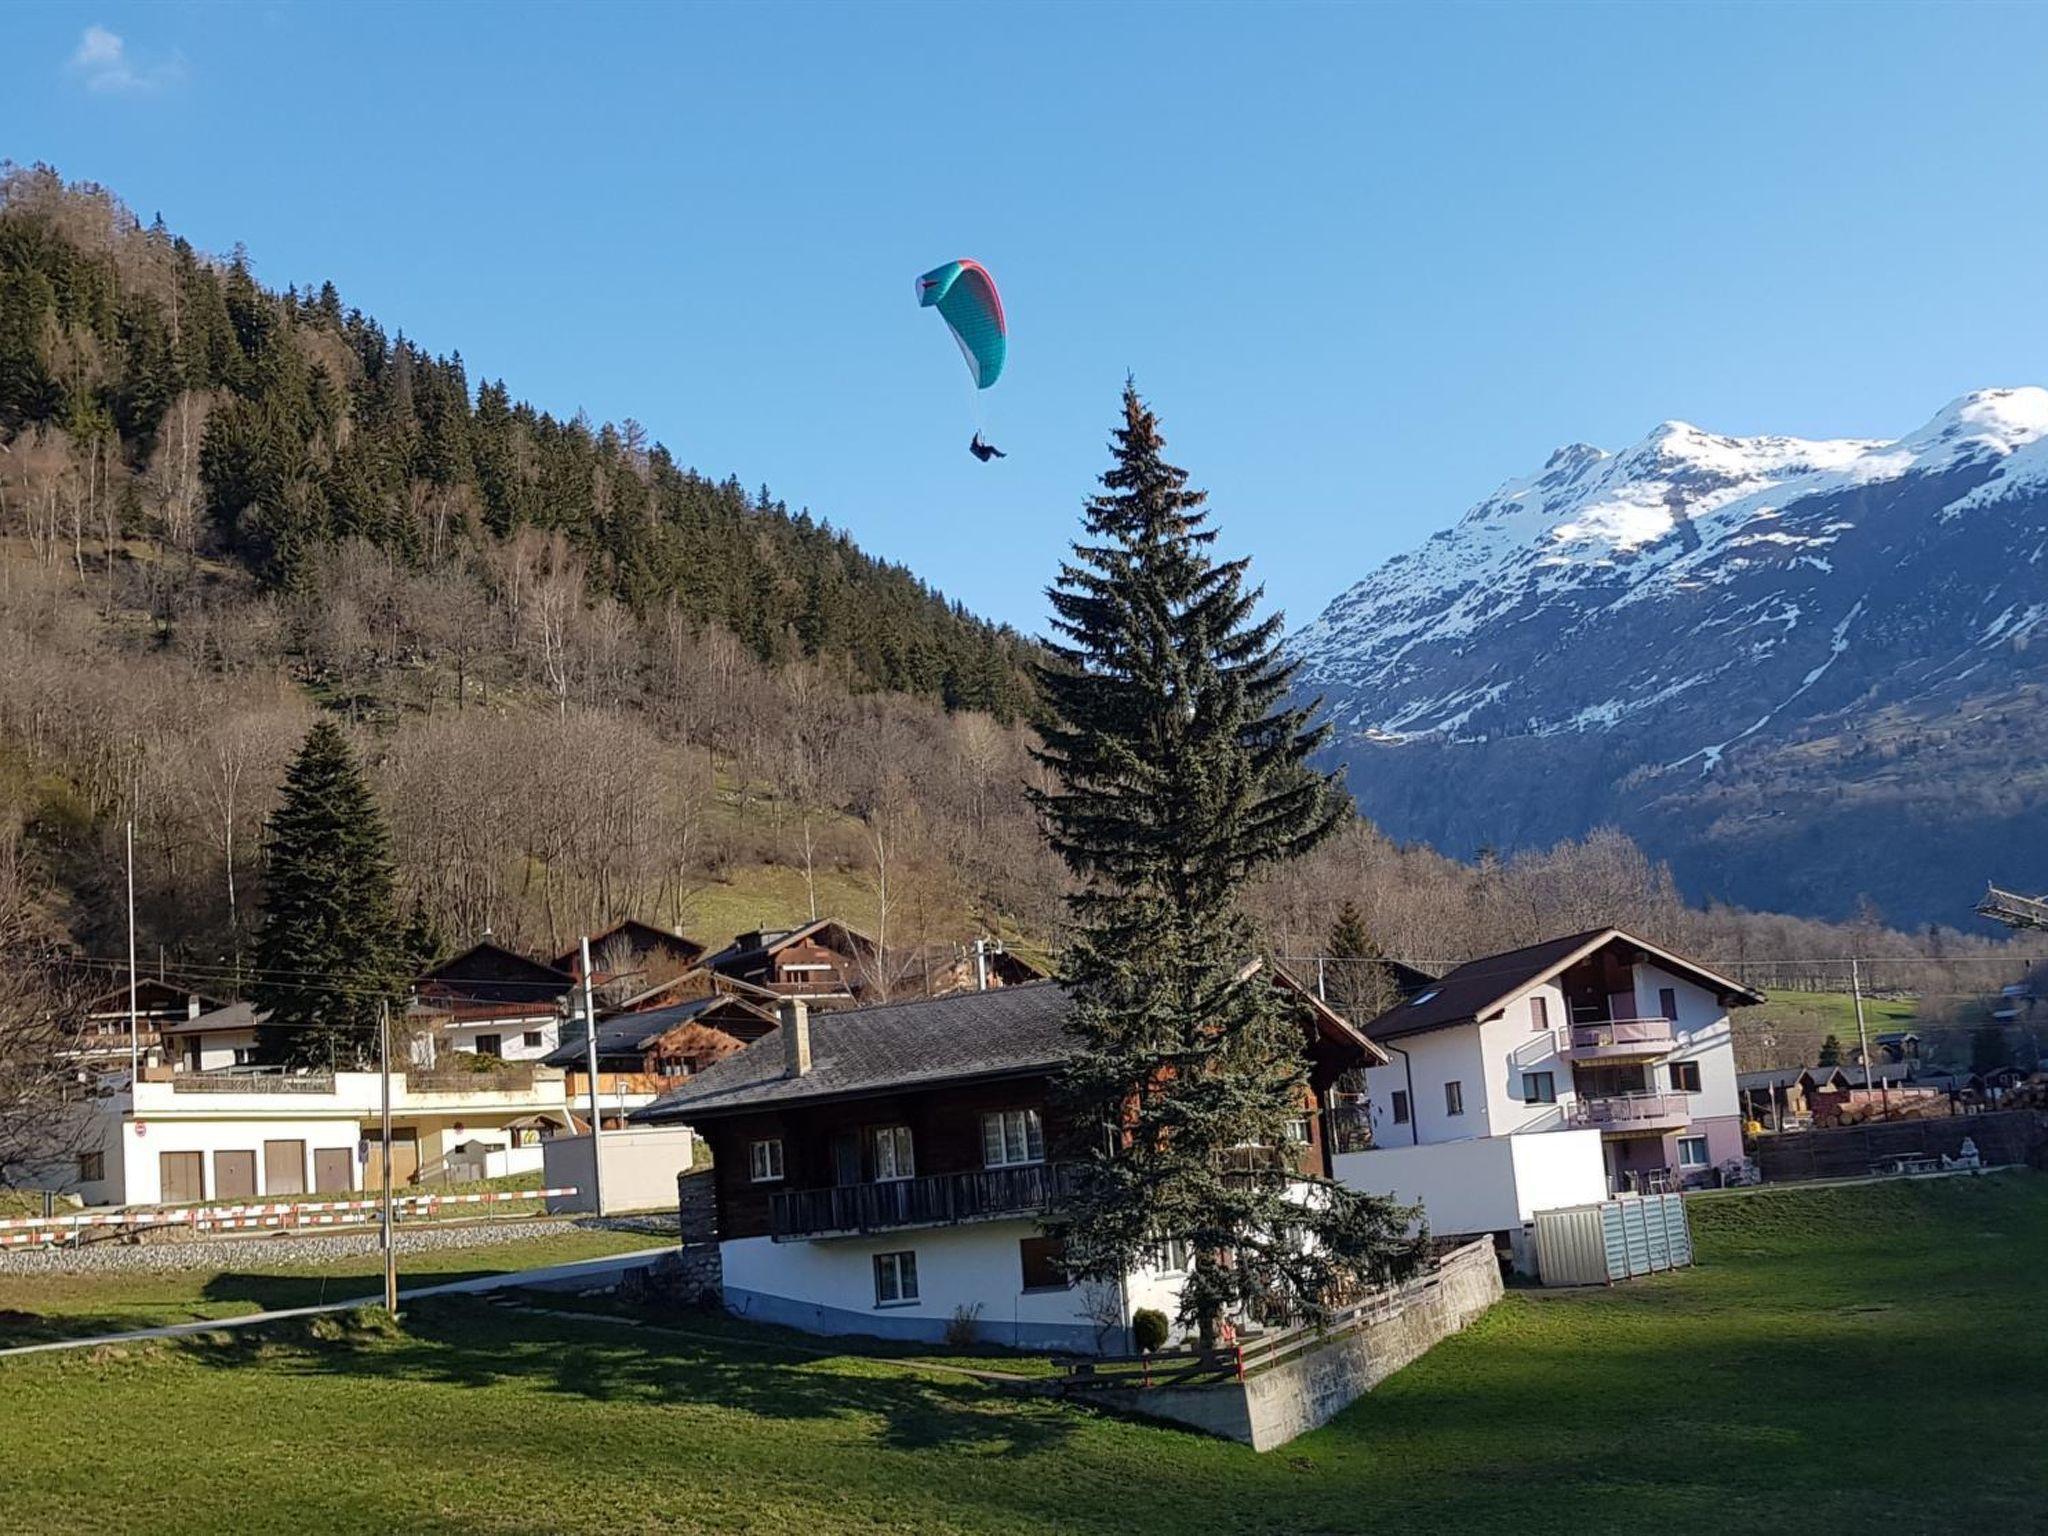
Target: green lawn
[[38, 1307], [1866, 1357]]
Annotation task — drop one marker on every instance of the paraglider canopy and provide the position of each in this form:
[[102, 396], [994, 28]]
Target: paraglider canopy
[[965, 296]]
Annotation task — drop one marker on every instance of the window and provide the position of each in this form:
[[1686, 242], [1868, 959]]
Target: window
[[764, 1160], [1692, 1151], [245, 1055], [1297, 1130], [1454, 1098], [531, 1039], [92, 1167], [1539, 1014], [891, 1147], [1539, 1087], [1667, 1003], [1170, 1256], [895, 1279], [1043, 1259], [490, 1045], [1685, 1076], [1011, 1136], [1400, 1106]]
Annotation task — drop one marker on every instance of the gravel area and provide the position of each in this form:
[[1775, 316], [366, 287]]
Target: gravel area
[[306, 1248]]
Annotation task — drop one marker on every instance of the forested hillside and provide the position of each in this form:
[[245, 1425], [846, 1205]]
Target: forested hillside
[[270, 427]]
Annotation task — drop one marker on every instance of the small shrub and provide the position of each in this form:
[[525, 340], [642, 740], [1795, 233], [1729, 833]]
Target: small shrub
[[964, 1327], [1148, 1327]]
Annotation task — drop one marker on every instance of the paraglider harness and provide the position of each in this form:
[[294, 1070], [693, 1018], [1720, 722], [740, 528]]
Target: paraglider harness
[[985, 451]]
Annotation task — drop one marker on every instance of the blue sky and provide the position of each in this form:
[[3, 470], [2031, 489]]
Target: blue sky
[[1367, 262]]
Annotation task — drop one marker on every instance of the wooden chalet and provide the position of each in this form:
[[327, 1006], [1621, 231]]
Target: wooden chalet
[[632, 955], [825, 961], [910, 1151]]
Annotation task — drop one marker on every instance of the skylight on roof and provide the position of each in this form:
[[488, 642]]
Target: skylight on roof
[[1422, 997]]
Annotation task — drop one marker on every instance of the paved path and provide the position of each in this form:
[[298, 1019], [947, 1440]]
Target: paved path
[[583, 1274]]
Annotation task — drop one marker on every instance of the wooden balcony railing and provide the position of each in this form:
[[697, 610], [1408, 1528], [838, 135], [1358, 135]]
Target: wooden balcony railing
[[939, 1199]]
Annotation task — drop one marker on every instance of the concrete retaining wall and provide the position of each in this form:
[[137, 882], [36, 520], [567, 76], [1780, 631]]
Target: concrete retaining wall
[[1270, 1407]]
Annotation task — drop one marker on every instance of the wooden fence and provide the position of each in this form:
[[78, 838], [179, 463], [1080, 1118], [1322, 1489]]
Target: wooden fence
[[2001, 1136]]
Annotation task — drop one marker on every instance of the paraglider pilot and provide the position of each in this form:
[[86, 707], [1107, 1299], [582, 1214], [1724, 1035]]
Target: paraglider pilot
[[985, 451]]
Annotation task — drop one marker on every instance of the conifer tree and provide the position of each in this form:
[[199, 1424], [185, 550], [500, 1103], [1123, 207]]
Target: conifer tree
[[1358, 983], [330, 947], [1831, 1051], [1181, 772]]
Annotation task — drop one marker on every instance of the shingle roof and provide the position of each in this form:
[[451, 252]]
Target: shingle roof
[[1475, 987], [625, 1033], [894, 1045], [243, 1015], [1478, 987]]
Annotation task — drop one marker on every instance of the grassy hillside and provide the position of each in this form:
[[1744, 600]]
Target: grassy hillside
[[1901, 1317], [1788, 1030]]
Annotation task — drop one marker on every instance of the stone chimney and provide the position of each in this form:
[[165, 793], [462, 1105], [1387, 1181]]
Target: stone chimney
[[795, 1016]]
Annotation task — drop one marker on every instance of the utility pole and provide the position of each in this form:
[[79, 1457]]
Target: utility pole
[[384, 1071], [134, 1027], [1862, 1035], [596, 1105]]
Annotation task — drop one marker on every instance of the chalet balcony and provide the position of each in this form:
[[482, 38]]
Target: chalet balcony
[[1621, 1040], [1633, 1114], [934, 1200]]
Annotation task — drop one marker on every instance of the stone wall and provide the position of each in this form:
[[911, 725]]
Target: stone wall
[[1272, 1406]]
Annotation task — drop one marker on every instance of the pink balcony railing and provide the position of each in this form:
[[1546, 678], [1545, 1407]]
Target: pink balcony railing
[[1614, 1039], [1633, 1112]]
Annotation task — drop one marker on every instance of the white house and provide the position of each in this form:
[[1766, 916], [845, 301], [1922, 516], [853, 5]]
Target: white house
[[490, 1001], [191, 1136], [1552, 1075], [887, 1170]]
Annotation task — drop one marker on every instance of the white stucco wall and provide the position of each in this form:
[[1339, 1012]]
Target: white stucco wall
[[1511, 1045], [1492, 1184], [1432, 1059], [511, 1036], [143, 1144], [1704, 1035], [828, 1286]]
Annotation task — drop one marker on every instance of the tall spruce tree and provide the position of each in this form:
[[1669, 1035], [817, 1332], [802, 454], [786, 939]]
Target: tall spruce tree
[[331, 946], [1182, 771], [1831, 1051], [1358, 982]]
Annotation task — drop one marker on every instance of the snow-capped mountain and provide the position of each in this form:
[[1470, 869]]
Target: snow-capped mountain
[[1698, 635]]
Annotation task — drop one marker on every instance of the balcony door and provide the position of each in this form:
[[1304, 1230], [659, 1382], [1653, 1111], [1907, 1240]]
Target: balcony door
[[845, 1159]]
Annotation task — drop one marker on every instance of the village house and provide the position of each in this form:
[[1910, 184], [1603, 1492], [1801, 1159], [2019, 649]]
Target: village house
[[490, 1001], [1553, 1075], [887, 1170], [825, 962], [182, 1137], [641, 1054], [103, 1036], [631, 957]]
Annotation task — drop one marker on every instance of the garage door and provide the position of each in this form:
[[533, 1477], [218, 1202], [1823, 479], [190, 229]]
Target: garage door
[[182, 1176], [234, 1175], [284, 1168], [330, 1169], [405, 1158]]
